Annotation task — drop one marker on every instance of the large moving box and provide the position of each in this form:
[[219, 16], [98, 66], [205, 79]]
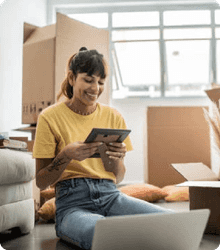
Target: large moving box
[[46, 51], [204, 190], [175, 135], [203, 183]]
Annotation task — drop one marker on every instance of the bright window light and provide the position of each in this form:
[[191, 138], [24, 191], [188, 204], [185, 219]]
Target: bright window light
[[187, 17], [217, 16], [124, 35], [191, 33], [98, 20], [139, 63], [134, 19], [188, 62]]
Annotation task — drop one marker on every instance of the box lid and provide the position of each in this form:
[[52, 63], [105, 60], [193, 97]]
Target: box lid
[[205, 184], [35, 34], [28, 30], [195, 171], [214, 95]]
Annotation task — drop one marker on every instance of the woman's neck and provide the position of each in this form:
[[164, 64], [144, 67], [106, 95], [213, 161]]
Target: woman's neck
[[80, 108]]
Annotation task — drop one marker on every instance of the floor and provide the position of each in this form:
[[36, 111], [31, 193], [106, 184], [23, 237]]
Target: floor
[[43, 237]]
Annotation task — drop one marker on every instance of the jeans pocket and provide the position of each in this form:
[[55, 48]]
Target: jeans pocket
[[62, 189]]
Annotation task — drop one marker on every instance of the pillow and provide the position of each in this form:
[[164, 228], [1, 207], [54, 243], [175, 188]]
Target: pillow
[[48, 193], [48, 210], [145, 192], [176, 193]]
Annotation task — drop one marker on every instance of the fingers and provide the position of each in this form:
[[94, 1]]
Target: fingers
[[117, 144], [88, 152], [92, 145], [115, 155], [117, 147]]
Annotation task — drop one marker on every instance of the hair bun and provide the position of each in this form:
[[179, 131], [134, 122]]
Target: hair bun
[[83, 49]]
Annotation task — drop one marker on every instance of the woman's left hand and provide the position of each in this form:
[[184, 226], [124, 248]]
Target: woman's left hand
[[116, 150]]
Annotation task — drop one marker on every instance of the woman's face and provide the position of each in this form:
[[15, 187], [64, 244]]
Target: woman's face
[[87, 89]]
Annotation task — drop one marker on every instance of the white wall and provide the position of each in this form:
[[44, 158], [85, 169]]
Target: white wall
[[13, 13]]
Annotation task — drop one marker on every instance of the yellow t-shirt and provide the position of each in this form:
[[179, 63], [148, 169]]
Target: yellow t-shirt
[[58, 126]]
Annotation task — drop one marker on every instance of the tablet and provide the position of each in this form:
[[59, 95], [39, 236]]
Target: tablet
[[106, 136]]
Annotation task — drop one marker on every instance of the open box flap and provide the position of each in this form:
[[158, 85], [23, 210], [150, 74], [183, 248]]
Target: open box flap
[[209, 184], [40, 34], [28, 30], [214, 95], [195, 171]]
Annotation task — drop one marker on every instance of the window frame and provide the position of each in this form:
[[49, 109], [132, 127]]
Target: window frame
[[162, 6]]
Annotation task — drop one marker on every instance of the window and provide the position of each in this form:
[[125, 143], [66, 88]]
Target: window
[[218, 62], [187, 67], [99, 20], [159, 51], [187, 17], [135, 19]]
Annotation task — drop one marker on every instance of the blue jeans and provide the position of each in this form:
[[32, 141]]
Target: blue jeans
[[80, 203]]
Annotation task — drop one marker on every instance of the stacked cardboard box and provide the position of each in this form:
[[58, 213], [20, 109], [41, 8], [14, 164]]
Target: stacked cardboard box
[[46, 51], [174, 135]]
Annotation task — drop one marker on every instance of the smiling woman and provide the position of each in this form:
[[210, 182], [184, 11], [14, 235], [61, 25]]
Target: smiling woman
[[86, 188], [86, 73]]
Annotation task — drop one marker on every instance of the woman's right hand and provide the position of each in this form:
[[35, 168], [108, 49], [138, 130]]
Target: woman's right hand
[[80, 151]]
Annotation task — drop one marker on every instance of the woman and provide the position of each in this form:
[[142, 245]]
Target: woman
[[85, 191]]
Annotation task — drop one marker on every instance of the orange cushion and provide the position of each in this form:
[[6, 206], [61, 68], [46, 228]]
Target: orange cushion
[[48, 210], [145, 192], [48, 193], [176, 193]]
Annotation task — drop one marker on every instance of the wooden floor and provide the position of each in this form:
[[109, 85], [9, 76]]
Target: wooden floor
[[43, 237]]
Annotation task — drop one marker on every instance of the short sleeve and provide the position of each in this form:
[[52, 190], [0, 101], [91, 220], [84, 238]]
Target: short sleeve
[[122, 125], [45, 142]]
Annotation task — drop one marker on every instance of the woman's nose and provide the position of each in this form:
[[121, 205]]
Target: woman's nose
[[95, 87]]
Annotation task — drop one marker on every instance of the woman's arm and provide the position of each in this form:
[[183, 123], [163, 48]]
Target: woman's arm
[[113, 159], [49, 171], [119, 170]]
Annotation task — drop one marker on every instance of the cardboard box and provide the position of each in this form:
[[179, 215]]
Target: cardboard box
[[29, 129], [46, 51], [174, 134], [203, 183], [214, 95], [204, 191]]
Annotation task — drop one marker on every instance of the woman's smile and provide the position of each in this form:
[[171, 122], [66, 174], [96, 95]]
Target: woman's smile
[[92, 96]]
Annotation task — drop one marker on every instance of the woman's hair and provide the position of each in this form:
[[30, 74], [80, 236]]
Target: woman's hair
[[85, 61]]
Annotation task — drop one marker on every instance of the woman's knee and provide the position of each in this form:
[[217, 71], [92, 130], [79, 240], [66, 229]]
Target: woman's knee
[[126, 205], [78, 228]]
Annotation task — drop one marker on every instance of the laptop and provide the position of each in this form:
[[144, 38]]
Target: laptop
[[178, 231]]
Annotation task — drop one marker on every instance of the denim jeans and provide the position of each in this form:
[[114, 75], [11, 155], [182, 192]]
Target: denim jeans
[[80, 203]]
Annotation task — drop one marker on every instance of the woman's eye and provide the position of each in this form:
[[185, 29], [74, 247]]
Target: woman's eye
[[88, 81], [101, 83]]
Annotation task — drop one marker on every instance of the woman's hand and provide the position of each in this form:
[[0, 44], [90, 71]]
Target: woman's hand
[[80, 151], [116, 150]]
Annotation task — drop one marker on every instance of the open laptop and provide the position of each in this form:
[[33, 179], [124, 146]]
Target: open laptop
[[178, 231]]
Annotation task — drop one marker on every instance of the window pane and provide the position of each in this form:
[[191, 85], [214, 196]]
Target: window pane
[[134, 19], [218, 62], [187, 65], [217, 16], [217, 32], [99, 20], [123, 35], [187, 17], [187, 33], [139, 63]]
